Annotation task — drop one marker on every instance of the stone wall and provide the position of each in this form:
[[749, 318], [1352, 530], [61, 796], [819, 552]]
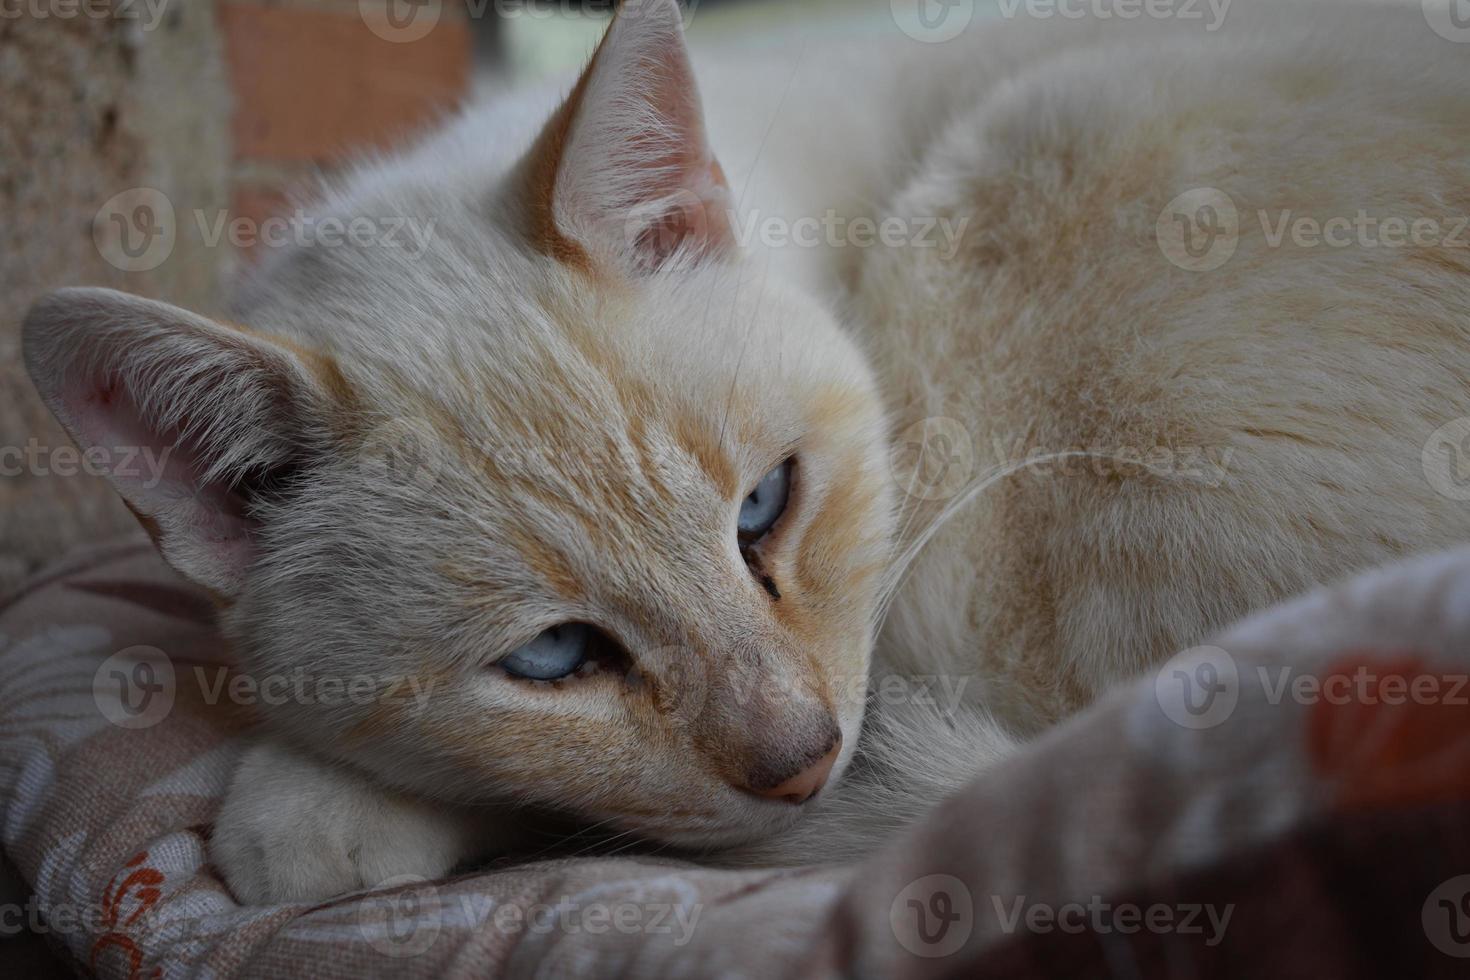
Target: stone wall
[[90, 109], [117, 111]]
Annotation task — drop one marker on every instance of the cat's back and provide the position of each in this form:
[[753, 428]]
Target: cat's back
[[1233, 268]]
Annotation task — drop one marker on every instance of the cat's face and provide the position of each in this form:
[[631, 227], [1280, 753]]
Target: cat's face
[[597, 474], [593, 519]]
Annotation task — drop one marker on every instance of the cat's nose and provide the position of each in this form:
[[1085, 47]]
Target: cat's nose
[[803, 785]]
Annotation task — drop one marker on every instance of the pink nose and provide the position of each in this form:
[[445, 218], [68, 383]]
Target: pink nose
[[805, 784]]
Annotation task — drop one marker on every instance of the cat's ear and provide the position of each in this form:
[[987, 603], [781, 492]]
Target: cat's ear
[[189, 419], [623, 174]]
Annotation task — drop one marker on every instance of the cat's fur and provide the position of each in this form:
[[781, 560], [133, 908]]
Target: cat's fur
[[599, 374]]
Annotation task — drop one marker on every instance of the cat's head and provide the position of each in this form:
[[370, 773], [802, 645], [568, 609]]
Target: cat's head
[[574, 507]]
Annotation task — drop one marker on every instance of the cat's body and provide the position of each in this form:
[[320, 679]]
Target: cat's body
[[1266, 420], [1231, 434]]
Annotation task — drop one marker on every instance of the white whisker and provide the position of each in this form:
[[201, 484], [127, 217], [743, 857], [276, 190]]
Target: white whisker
[[898, 571]]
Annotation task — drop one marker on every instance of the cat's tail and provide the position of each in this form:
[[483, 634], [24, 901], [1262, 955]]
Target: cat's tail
[[912, 756]]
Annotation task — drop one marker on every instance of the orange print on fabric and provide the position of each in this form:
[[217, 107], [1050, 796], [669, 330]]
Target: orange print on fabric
[[1391, 732], [142, 882]]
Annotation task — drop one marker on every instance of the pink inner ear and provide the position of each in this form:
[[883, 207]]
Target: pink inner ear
[[638, 162], [686, 184], [159, 472], [693, 217]]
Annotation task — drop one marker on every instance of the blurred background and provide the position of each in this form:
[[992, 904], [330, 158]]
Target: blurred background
[[225, 109]]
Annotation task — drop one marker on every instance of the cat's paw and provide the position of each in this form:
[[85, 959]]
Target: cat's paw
[[293, 829]]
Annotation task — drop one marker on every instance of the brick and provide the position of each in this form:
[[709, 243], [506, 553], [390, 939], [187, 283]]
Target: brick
[[257, 203], [315, 83]]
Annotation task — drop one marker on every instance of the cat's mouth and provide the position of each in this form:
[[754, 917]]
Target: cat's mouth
[[741, 817]]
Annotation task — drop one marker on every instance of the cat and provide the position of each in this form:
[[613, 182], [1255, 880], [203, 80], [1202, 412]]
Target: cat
[[689, 532]]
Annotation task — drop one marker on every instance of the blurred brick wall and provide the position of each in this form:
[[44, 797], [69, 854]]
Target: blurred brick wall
[[217, 106], [316, 81]]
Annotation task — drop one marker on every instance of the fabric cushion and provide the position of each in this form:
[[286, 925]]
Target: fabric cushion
[[1299, 786]]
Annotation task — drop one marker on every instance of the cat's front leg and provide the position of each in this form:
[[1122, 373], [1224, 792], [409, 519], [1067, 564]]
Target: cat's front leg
[[297, 829]]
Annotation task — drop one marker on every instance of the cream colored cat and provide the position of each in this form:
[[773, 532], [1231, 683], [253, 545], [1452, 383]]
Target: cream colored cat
[[676, 466]]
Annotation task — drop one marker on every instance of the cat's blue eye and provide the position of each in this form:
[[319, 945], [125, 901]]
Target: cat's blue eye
[[558, 652], [760, 511]]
